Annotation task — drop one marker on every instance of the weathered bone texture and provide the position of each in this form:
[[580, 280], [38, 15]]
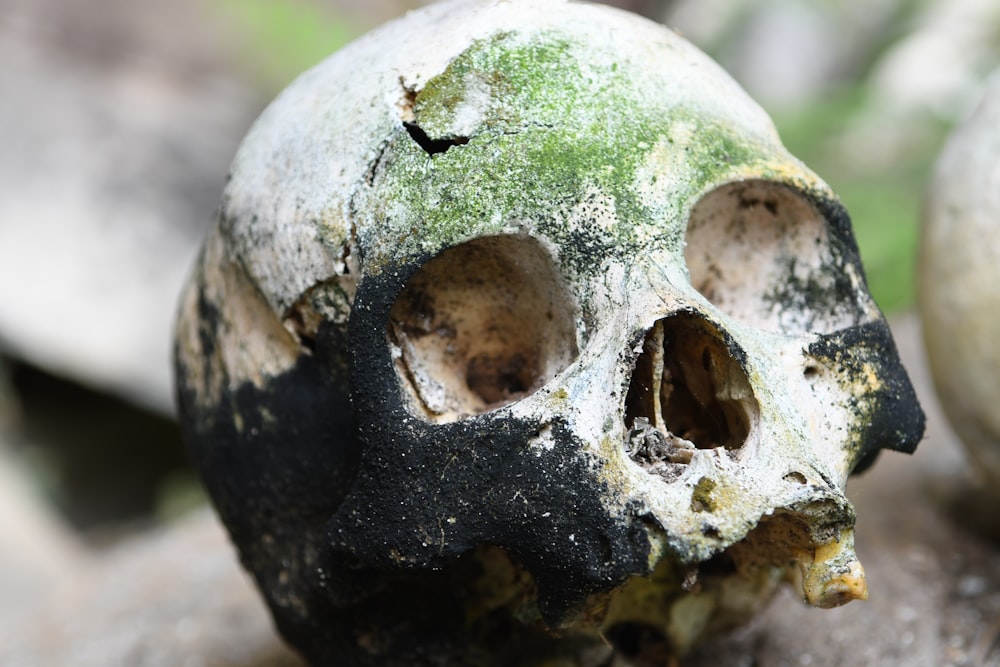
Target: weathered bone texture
[[522, 340], [960, 282]]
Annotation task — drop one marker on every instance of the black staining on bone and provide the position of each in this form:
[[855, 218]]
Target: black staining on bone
[[786, 260], [849, 292], [278, 460], [866, 461], [866, 357], [435, 491], [432, 146], [324, 304], [586, 247], [817, 298], [209, 318], [277, 456]]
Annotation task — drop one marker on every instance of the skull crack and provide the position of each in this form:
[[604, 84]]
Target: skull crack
[[432, 146]]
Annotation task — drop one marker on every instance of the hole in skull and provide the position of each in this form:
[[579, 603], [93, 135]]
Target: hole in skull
[[687, 392], [762, 253], [795, 477], [481, 325], [641, 642], [432, 146]]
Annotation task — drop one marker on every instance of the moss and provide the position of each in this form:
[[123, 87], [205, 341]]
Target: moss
[[522, 78], [554, 141], [702, 497]]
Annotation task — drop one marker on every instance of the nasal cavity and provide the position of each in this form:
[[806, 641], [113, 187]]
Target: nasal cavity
[[688, 391]]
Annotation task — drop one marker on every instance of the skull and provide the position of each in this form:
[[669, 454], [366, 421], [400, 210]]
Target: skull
[[959, 270], [521, 338]]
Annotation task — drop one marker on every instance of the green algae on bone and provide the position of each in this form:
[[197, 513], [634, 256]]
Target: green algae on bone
[[702, 497], [526, 84], [542, 135]]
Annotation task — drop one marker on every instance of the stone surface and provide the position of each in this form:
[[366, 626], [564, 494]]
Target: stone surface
[[960, 281], [168, 598], [118, 122]]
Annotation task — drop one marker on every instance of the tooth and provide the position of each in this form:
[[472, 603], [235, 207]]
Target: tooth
[[832, 575]]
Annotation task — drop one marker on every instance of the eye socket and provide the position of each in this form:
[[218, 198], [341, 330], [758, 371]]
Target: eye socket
[[762, 253], [481, 325]]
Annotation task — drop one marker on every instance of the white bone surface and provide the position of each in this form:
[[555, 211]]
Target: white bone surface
[[959, 279]]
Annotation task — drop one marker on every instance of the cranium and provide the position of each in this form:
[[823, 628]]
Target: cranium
[[522, 337], [958, 276]]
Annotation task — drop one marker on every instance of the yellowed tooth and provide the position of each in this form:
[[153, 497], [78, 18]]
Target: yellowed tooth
[[832, 575]]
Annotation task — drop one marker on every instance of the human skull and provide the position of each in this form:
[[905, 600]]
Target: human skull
[[521, 338], [959, 274]]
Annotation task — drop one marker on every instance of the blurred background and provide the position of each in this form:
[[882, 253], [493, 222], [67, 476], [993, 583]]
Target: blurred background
[[117, 122]]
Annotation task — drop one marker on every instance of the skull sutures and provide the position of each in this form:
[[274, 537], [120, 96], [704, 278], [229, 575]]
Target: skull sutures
[[520, 338]]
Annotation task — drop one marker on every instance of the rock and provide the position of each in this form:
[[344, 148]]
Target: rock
[[37, 554], [118, 122], [172, 597]]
